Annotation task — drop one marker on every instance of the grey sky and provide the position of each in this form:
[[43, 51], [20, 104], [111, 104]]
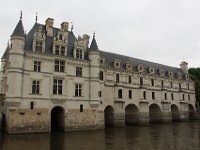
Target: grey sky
[[161, 31]]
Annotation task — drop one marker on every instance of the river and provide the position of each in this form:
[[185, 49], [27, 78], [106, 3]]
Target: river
[[174, 136]]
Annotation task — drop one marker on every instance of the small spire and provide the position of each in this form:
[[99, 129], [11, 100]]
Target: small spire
[[36, 17], [94, 34], [72, 26], [21, 15]]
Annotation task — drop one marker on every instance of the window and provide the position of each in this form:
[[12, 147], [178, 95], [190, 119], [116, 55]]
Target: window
[[188, 86], [120, 93], [152, 82], [129, 79], [79, 54], [78, 89], [38, 46], [117, 78], [189, 97], [130, 94], [162, 83], [78, 71], [141, 80], [57, 49], [35, 87], [183, 97], [101, 75], [165, 96], [81, 108], [99, 93], [62, 52], [153, 95], [171, 84], [59, 66], [144, 94], [32, 105], [60, 37], [179, 86], [37, 66], [172, 96], [57, 86]]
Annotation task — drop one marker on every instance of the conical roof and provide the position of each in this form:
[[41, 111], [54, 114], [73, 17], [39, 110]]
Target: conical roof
[[93, 45], [6, 53], [19, 30]]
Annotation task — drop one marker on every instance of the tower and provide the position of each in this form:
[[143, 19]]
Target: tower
[[94, 86]]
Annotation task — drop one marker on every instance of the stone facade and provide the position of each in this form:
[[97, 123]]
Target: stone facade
[[53, 81]]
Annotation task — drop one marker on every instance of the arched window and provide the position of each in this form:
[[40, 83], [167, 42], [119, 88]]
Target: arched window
[[144, 94], [120, 93]]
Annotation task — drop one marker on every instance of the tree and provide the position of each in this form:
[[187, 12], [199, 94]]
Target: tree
[[195, 76]]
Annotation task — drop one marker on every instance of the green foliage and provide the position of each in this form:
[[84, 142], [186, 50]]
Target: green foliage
[[195, 76]]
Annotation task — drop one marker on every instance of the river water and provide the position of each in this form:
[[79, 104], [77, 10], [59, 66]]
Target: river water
[[174, 136]]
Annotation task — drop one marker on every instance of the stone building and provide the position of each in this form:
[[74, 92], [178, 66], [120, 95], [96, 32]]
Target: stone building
[[52, 80]]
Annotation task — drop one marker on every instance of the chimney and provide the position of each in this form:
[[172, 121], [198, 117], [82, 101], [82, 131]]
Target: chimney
[[86, 40], [184, 67], [64, 26], [49, 27]]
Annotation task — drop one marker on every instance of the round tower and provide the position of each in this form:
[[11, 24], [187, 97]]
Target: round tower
[[16, 61], [94, 57]]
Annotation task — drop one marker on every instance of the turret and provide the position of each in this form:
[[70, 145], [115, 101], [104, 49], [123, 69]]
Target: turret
[[94, 57], [184, 67], [16, 61]]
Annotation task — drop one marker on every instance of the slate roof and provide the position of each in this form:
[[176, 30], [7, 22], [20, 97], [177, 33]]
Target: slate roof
[[93, 46], [6, 53], [19, 30], [109, 57]]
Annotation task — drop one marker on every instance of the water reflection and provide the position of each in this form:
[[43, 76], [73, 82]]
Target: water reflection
[[175, 136]]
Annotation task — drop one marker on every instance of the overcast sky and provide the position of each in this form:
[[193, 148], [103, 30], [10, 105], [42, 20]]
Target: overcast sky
[[161, 31]]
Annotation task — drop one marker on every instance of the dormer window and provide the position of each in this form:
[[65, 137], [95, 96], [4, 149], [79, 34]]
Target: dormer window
[[170, 74], [128, 66], [60, 37], [79, 54], [140, 68], [38, 46], [186, 76], [102, 61], [117, 64], [151, 70], [161, 72], [179, 75], [59, 50]]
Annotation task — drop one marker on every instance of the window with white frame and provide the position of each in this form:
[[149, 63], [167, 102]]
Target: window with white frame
[[37, 66], [59, 66], [38, 46], [78, 71], [57, 86], [78, 90], [35, 87], [79, 54]]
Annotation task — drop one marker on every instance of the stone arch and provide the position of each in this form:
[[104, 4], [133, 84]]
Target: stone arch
[[192, 113], [175, 113], [58, 119], [132, 114], [109, 116], [155, 114]]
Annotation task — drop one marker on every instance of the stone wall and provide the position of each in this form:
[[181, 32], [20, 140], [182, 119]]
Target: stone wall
[[88, 119], [28, 120]]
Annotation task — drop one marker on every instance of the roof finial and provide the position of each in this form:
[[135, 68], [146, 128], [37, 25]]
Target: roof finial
[[94, 34], [36, 17], [72, 26], [21, 15]]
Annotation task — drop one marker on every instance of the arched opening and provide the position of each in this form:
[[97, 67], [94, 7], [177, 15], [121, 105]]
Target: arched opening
[[155, 114], [57, 119], [131, 114], [109, 116], [192, 113], [175, 113]]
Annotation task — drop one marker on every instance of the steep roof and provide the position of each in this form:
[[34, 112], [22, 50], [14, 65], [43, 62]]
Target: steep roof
[[19, 30], [93, 45], [6, 53]]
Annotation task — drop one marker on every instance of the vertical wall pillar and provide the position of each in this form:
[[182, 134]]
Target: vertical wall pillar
[[119, 114], [144, 113], [166, 113], [184, 111]]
